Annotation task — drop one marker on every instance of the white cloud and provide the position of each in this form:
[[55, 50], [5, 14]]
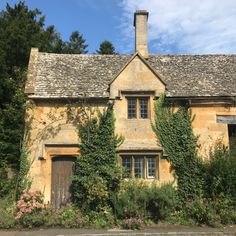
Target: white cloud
[[185, 26]]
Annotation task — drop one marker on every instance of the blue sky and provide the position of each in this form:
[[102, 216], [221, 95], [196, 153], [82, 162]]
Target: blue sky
[[175, 26]]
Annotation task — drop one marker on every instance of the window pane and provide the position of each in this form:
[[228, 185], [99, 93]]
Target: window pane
[[138, 167], [143, 105], [151, 167], [232, 136], [127, 164], [132, 108]]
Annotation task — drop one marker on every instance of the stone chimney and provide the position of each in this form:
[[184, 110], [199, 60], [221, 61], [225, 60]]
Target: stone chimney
[[140, 24]]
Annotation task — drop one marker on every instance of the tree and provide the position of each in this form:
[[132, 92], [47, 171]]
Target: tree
[[20, 30], [106, 47], [76, 45], [51, 41]]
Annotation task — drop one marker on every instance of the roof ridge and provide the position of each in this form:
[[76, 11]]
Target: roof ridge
[[192, 55], [84, 55]]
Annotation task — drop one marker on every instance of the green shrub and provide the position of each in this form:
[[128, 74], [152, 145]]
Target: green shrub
[[220, 175], [102, 219], [179, 218], [95, 194], [68, 217], [132, 223], [212, 212], [7, 185], [7, 213], [131, 201], [162, 201], [139, 200], [32, 220]]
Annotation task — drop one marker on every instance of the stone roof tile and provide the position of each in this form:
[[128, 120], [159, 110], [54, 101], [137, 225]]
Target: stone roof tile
[[64, 75]]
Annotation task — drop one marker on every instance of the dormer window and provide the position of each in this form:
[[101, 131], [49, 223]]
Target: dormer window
[[138, 107]]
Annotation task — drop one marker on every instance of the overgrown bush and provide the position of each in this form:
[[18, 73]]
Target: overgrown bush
[[7, 185], [68, 217], [140, 200], [97, 175], [162, 201], [31, 212], [132, 200], [220, 175], [206, 211], [102, 219], [133, 223], [7, 213]]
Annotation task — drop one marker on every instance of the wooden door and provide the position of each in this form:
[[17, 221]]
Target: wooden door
[[62, 171]]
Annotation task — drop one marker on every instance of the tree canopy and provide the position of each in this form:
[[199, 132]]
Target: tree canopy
[[76, 45], [106, 47], [21, 29]]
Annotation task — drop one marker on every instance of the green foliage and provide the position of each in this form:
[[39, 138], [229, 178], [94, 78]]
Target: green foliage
[[21, 29], [32, 220], [6, 184], [7, 213], [69, 217], [213, 212], [29, 203], [31, 213], [139, 200], [11, 119], [106, 47], [174, 132], [132, 200], [132, 223], [162, 201], [23, 181], [97, 175], [76, 45], [101, 219], [220, 175], [207, 189]]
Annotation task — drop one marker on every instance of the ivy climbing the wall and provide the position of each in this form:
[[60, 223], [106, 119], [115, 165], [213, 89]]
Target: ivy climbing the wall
[[23, 181], [97, 175], [174, 132]]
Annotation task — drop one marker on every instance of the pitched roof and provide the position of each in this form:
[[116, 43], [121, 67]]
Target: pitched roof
[[64, 75], [197, 75]]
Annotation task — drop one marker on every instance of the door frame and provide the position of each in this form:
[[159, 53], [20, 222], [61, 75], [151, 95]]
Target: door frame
[[52, 150]]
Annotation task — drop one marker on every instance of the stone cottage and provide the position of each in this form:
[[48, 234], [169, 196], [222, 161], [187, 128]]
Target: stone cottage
[[132, 82]]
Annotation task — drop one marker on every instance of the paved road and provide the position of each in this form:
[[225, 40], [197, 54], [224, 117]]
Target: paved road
[[152, 231]]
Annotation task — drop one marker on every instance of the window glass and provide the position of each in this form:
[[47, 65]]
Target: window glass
[[138, 167], [232, 136], [151, 167], [132, 108], [127, 164], [143, 107]]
